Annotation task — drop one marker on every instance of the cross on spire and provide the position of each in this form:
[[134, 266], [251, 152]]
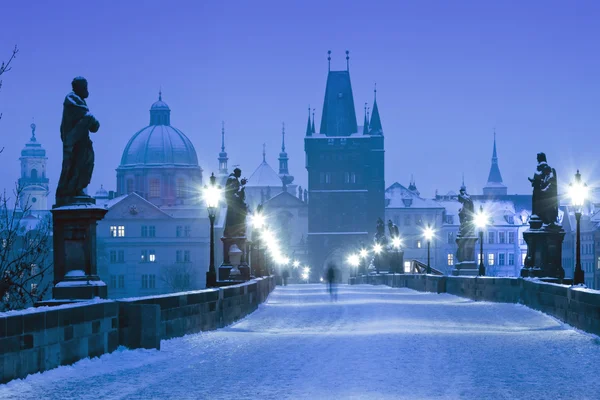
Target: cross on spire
[[283, 137], [264, 152]]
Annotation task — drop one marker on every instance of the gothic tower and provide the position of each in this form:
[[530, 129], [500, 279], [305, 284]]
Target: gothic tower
[[223, 172], [33, 182], [345, 163], [494, 185], [284, 172]]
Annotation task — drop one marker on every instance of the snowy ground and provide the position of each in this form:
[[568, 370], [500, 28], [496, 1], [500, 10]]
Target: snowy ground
[[375, 342]]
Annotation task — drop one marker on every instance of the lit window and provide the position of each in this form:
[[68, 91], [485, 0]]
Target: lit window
[[152, 231], [418, 244], [121, 281], [144, 256], [154, 188], [511, 258], [407, 266], [501, 259], [152, 256], [117, 231], [113, 231], [491, 259], [450, 259], [180, 188]]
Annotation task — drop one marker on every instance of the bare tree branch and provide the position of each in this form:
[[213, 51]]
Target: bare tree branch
[[178, 276], [5, 66]]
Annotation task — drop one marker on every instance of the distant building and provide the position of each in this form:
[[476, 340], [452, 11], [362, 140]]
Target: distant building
[[345, 164], [33, 183], [155, 237]]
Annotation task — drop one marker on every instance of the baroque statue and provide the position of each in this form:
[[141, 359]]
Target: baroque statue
[[393, 229], [545, 193], [466, 213], [78, 152], [237, 209], [380, 234]]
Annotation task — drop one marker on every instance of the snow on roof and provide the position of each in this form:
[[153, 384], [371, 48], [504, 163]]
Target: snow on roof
[[399, 196], [264, 176]]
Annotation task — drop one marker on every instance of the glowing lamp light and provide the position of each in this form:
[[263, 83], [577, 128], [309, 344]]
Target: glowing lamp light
[[428, 233], [578, 191], [296, 264], [212, 194], [396, 242], [377, 248], [306, 270], [481, 219], [305, 276], [258, 220], [354, 260], [363, 253]]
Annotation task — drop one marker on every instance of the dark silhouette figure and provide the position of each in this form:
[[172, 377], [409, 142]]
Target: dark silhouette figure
[[285, 275], [466, 213], [545, 192], [331, 276], [78, 152], [235, 195]]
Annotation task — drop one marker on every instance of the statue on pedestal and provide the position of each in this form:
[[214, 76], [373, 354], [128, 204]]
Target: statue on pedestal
[[545, 193], [380, 234], [78, 152], [466, 213], [393, 229], [237, 209]]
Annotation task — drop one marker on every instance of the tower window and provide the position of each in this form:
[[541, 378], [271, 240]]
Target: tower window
[[34, 174], [129, 186], [154, 187], [179, 188]]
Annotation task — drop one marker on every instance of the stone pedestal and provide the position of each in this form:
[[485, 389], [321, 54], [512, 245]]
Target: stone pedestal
[[225, 268], [544, 252], [75, 269], [465, 257]]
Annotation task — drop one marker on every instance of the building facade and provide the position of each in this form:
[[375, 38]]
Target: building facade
[[345, 165]]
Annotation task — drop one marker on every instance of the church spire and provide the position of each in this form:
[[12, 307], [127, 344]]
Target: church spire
[[312, 128], [223, 154], [264, 152], [284, 172], [375, 124], [309, 130], [494, 185]]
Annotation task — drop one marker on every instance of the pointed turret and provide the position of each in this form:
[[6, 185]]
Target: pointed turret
[[309, 129], [338, 117], [494, 185], [375, 124], [223, 154], [366, 122], [312, 128], [413, 186]]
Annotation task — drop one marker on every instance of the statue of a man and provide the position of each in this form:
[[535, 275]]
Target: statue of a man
[[380, 235], [235, 196], [466, 213], [78, 152], [545, 192]]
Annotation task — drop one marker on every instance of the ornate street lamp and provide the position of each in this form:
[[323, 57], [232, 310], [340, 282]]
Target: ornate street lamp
[[212, 195], [428, 233], [363, 253], [578, 192], [396, 243], [481, 220], [354, 261]]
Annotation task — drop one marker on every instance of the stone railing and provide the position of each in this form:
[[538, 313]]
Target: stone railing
[[36, 340], [576, 306]]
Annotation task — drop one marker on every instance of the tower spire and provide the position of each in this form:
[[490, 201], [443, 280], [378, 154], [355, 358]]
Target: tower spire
[[222, 136], [494, 185], [283, 137], [347, 60], [328, 60], [366, 122], [264, 152], [160, 94], [284, 173], [375, 123], [32, 126], [309, 130], [223, 154], [312, 128]]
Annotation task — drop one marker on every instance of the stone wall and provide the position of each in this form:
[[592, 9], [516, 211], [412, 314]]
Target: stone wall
[[51, 336], [575, 306], [37, 340]]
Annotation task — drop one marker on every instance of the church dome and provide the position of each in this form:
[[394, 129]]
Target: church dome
[[159, 143]]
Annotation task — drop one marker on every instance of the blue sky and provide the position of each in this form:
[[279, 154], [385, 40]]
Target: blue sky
[[447, 74]]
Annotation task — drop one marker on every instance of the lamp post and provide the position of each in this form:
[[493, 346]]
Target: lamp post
[[377, 248], [396, 243], [354, 261], [212, 195], [428, 234], [363, 255], [258, 221], [578, 192], [481, 222]]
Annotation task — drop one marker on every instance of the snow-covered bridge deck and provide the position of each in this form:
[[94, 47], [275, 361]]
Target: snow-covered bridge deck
[[375, 342]]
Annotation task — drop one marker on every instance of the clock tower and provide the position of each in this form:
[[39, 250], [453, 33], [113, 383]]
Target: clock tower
[[33, 182]]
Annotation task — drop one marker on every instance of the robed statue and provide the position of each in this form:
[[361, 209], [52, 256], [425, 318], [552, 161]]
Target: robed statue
[[237, 209], [466, 213], [545, 192], [393, 229], [380, 233], [78, 152]]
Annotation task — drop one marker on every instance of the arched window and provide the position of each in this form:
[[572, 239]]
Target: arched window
[[34, 174], [129, 185], [180, 188], [154, 188]]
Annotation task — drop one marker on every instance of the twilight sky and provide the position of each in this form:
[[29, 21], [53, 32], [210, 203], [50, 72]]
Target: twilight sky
[[447, 74]]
